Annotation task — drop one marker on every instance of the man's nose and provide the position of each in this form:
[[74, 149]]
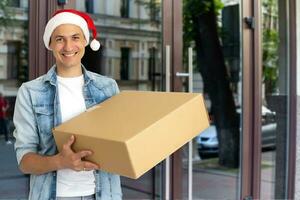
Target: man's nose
[[68, 45]]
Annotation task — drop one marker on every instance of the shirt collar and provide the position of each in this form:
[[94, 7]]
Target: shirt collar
[[51, 75]]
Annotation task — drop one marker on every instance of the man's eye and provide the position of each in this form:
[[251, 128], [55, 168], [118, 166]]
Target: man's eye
[[58, 39], [76, 37]]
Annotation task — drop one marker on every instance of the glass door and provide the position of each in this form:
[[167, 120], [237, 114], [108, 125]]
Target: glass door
[[212, 32]]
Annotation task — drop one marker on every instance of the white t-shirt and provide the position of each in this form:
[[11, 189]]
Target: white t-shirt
[[71, 183]]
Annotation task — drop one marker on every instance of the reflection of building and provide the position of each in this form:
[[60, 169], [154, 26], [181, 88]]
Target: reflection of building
[[131, 36], [12, 37], [13, 45]]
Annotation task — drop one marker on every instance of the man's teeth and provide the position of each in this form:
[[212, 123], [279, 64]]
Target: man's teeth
[[69, 55]]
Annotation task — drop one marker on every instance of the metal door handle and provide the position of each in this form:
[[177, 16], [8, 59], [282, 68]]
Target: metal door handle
[[181, 74], [190, 160], [168, 89]]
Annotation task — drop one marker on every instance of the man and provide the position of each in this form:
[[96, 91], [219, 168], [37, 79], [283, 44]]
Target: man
[[65, 91], [3, 123]]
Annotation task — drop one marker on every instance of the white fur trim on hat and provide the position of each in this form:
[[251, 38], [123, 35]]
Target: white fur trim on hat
[[95, 45], [65, 18]]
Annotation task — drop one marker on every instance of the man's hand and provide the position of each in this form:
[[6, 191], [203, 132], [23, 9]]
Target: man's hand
[[33, 163], [72, 160]]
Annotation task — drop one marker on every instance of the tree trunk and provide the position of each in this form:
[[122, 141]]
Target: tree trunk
[[210, 62]]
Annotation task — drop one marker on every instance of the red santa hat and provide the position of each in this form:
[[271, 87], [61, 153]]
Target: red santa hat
[[70, 16]]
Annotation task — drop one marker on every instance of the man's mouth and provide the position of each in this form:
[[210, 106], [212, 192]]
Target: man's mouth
[[69, 54]]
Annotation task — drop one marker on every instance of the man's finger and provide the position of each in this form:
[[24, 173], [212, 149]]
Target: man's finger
[[90, 166], [84, 153]]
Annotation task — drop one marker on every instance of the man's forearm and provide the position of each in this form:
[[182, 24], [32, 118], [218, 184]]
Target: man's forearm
[[33, 163]]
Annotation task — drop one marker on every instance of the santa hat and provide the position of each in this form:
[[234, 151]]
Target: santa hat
[[70, 16]]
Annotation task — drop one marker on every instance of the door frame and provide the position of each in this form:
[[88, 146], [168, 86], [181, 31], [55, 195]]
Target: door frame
[[252, 66], [251, 95], [291, 172], [172, 36]]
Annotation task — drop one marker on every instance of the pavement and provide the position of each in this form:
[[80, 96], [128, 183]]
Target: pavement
[[13, 184], [207, 183]]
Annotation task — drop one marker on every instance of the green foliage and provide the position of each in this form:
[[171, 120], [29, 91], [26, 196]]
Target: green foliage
[[193, 9], [270, 59], [6, 14], [153, 7], [270, 46]]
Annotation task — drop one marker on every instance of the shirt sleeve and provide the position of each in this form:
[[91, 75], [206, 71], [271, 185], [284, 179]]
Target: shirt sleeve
[[117, 90], [25, 132]]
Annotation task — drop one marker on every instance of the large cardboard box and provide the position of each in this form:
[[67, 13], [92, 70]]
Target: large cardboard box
[[133, 131]]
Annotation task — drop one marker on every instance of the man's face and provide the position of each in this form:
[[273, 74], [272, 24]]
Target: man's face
[[68, 44]]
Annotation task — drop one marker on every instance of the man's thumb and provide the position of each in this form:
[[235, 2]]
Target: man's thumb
[[70, 141]]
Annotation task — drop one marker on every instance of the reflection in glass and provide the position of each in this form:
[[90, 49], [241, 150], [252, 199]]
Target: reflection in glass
[[274, 110], [212, 28], [131, 47]]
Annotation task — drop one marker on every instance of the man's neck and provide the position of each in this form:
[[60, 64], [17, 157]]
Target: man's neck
[[69, 71]]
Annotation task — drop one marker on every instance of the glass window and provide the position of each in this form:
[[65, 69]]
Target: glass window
[[13, 59], [125, 8], [13, 3], [125, 56], [89, 6]]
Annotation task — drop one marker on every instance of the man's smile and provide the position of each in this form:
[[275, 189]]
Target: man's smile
[[69, 54]]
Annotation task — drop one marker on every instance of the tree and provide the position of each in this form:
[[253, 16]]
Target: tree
[[6, 14], [200, 27]]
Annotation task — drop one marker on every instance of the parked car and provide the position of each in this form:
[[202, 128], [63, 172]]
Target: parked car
[[208, 144]]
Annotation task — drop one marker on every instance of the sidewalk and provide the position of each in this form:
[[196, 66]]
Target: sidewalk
[[14, 184], [207, 183]]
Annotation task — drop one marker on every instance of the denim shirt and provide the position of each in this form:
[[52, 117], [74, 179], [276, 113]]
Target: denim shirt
[[37, 111]]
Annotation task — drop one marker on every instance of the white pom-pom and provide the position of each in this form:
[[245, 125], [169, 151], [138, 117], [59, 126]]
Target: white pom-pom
[[95, 45]]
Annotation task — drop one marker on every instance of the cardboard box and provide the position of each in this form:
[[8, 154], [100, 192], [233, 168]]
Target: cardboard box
[[133, 131]]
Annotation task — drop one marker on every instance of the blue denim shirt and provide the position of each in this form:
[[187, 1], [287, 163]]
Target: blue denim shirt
[[37, 111]]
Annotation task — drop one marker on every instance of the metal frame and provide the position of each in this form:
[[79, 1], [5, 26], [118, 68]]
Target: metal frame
[[177, 174], [292, 101], [168, 87], [247, 114], [257, 100], [168, 61], [252, 91], [190, 146]]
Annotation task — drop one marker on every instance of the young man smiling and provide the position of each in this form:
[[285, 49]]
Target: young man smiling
[[64, 92]]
